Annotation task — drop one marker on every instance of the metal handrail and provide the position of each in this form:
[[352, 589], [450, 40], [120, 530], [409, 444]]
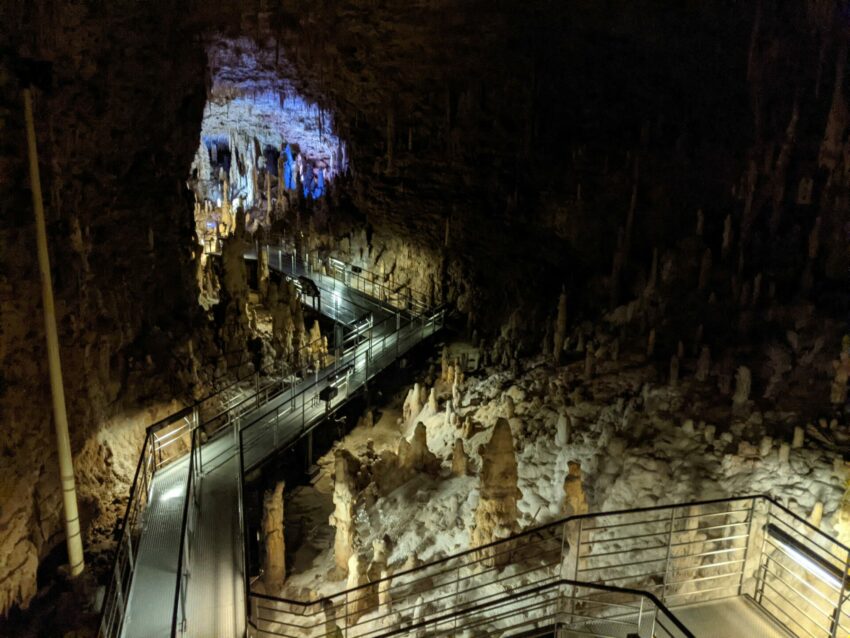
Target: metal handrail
[[680, 563], [539, 589], [510, 541]]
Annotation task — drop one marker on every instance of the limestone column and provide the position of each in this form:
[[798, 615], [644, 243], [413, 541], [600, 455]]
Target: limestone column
[[274, 549]]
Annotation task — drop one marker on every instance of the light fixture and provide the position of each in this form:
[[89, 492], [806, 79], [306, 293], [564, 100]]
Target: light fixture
[[806, 557]]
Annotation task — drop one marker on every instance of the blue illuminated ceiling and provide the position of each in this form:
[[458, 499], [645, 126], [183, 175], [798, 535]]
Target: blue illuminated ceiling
[[254, 114]]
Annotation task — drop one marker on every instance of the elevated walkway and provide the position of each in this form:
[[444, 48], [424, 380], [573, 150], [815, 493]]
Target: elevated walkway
[[179, 566]]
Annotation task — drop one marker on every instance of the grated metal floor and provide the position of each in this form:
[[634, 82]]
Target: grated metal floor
[[729, 618], [154, 581]]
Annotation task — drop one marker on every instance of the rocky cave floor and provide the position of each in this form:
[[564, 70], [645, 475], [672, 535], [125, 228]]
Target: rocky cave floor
[[641, 440]]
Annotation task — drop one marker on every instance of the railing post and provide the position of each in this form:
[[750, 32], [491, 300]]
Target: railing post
[[760, 574], [457, 595], [752, 515], [640, 615], [663, 596], [836, 619], [575, 572]]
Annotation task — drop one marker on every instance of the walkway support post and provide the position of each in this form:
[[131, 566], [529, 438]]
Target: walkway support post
[[73, 538]]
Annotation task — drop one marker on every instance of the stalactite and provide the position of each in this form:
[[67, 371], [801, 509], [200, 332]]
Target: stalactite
[[780, 171]]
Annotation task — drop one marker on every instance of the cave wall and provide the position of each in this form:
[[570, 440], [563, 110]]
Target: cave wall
[[522, 132], [115, 136], [536, 129]]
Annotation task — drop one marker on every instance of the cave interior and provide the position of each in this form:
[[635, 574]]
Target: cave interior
[[429, 284]]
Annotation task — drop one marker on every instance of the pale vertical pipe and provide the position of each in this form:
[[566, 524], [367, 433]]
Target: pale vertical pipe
[[60, 416]]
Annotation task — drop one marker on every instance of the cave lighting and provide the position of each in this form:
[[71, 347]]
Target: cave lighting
[[171, 494], [806, 557]]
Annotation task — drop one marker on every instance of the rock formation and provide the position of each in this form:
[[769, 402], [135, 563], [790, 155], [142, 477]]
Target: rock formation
[[560, 332], [414, 456], [575, 501], [838, 389], [346, 468], [460, 462], [743, 380], [496, 514], [274, 550]]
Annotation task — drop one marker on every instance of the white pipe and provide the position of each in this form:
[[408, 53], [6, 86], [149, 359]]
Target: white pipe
[[60, 416]]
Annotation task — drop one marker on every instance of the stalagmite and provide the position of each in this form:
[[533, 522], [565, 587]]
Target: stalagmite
[[560, 328], [458, 379], [652, 280], [563, 431], [432, 401], [743, 381], [784, 452], [415, 455], [496, 514], [703, 364], [359, 601], [344, 498], [274, 553], [814, 240], [448, 412], [838, 388], [445, 365], [508, 405], [674, 370], [799, 437], [412, 405], [650, 343], [575, 501], [263, 273], [460, 462], [727, 236], [816, 516], [765, 446], [698, 339], [588, 364], [710, 431]]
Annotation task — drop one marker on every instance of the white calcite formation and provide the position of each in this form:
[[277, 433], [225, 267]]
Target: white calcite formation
[[274, 550], [460, 461], [414, 455], [344, 498], [496, 515]]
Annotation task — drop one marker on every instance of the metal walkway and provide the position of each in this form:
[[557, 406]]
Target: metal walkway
[[208, 598], [730, 617]]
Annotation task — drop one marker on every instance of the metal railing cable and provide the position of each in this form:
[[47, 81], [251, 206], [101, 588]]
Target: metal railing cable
[[694, 552]]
